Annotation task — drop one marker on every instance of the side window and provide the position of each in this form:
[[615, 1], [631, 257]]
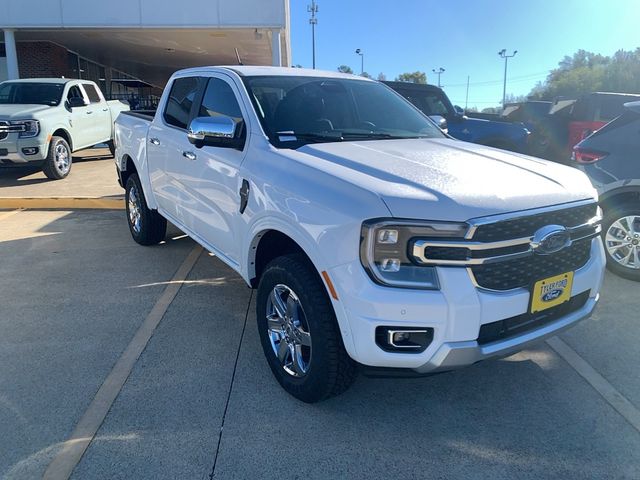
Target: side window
[[74, 92], [181, 97], [92, 93], [219, 99]]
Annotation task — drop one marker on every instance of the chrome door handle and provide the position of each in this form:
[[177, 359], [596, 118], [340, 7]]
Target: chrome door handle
[[154, 141], [189, 155], [105, 109], [89, 113]]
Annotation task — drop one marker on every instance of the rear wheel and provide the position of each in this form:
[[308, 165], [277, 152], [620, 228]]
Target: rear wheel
[[621, 237], [147, 226], [57, 165], [299, 331]]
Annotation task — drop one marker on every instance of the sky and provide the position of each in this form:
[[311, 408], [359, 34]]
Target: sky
[[463, 37]]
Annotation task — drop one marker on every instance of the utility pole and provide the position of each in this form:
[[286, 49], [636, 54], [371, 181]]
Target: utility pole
[[466, 99], [313, 9], [361, 53], [438, 72], [503, 54]]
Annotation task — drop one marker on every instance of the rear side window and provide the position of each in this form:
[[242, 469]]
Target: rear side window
[[219, 99], [181, 97], [626, 118], [92, 93]]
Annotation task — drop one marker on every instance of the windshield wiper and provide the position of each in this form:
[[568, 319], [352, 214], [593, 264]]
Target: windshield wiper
[[378, 135], [291, 136]]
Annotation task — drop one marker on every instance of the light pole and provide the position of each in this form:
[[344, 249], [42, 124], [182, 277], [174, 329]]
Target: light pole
[[503, 54], [361, 53], [313, 9], [438, 72]]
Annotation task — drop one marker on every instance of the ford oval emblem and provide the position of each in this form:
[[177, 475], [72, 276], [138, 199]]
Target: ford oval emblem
[[550, 239]]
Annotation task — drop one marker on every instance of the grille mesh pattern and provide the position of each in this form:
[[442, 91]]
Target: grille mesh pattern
[[526, 226], [523, 272]]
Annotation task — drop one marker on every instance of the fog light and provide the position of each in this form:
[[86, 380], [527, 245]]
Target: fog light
[[390, 265], [30, 150], [404, 339]]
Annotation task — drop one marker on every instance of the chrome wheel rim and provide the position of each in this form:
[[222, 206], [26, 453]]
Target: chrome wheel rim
[[622, 241], [288, 331], [134, 209], [62, 158]]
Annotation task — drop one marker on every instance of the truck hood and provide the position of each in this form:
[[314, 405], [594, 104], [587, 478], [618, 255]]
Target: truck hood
[[21, 112], [443, 179]]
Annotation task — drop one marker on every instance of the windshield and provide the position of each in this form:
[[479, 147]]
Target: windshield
[[15, 93], [298, 110]]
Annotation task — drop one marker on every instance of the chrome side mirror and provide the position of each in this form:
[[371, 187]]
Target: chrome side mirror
[[440, 121], [219, 131]]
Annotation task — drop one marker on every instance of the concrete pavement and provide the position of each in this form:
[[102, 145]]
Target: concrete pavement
[[201, 401]]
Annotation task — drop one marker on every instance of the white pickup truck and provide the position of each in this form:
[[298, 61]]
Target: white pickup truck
[[373, 239], [45, 120]]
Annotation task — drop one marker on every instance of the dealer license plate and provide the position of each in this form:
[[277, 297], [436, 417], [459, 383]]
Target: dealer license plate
[[551, 292]]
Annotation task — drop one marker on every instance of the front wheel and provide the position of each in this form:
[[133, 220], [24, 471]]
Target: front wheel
[[57, 165], [299, 331], [621, 237], [147, 226]]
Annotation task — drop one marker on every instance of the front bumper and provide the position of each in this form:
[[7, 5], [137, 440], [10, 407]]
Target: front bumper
[[11, 149], [455, 312]]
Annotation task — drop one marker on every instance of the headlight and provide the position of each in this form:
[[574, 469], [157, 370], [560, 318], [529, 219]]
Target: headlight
[[385, 251], [26, 128]]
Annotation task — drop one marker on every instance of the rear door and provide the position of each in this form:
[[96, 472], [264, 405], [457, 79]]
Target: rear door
[[167, 143], [101, 117]]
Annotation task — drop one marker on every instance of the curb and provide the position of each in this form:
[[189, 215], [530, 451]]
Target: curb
[[58, 203]]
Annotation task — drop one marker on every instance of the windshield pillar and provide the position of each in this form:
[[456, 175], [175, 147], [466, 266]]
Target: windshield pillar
[[12, 55]]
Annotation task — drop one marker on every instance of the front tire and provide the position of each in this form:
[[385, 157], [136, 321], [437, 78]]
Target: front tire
[[147, 226], [299, 331], [57, 165], [621, 238]]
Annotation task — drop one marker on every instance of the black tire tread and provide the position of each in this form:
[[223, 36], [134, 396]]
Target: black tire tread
[[611, 215], [342, 370], [153, 225], [48, 166]]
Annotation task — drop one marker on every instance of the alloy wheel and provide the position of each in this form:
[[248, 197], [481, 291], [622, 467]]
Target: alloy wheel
[[288, 331], [622, 241], [134, 209], [62, 158]]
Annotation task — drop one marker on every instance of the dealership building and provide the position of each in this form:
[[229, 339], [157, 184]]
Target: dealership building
[[131, 47]]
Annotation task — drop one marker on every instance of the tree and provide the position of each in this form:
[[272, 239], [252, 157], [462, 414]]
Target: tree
[[511, 98], [585, 72], [365, 75], [345, 69], [381, 77], [415, 77]]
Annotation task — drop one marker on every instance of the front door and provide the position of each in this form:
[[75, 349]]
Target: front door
[[80, 120], [210, 176]]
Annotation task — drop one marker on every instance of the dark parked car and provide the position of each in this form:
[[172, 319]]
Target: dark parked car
[[611, 158], [434, 102]]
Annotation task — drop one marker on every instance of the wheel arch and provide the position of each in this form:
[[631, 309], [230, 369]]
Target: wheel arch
[[63, 133], [619, 196]]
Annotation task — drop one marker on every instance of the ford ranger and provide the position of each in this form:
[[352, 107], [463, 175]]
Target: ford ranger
[[374, 240], [45, 120]]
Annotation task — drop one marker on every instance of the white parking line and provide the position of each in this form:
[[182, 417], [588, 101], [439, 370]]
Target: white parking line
[[613, 397], [73, 449]]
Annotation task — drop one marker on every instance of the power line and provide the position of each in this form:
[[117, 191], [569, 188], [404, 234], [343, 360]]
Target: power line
[[528, 77]]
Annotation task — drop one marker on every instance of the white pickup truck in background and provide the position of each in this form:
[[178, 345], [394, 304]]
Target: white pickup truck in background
[[373, 239], [47, 119]]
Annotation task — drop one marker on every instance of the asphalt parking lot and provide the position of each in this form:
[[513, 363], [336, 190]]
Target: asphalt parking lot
[[200, 401]]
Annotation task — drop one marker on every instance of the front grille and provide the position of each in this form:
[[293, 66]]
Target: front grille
[[526, 226], [3, 132], [509, 327], [523, 272]]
